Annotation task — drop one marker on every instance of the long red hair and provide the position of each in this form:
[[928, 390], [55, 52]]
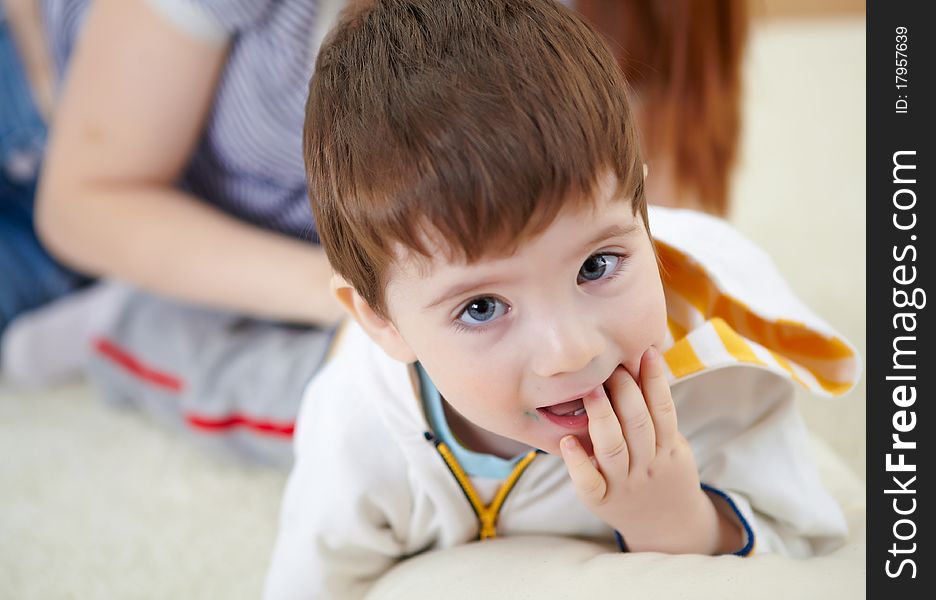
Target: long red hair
[[683, 58]]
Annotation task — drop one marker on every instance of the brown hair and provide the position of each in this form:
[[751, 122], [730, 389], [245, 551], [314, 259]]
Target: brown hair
[[683, 58], [476, 120]]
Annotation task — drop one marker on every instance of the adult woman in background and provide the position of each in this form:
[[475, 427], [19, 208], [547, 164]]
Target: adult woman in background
[[175, 165]]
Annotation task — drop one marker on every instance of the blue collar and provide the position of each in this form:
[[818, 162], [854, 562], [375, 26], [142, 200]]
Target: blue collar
[[475, 464]]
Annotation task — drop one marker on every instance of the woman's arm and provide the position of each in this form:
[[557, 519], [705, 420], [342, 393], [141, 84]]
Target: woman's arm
[[135, 100], [26, 25]]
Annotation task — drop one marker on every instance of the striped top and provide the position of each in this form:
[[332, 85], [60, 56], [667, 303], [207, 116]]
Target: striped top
[[248, 161], [727, 304]]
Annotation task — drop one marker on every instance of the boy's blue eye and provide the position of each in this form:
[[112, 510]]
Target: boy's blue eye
[[482, 310], [598, 266]]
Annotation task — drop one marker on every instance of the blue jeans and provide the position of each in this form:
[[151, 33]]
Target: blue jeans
[[29, 277]]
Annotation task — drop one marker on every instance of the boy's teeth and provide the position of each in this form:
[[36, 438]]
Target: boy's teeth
[[571, 408]]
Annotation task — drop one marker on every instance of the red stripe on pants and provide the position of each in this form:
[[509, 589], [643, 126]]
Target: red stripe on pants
[[172, 383]]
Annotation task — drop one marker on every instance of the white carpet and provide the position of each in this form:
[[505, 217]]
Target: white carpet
[[99, 503]]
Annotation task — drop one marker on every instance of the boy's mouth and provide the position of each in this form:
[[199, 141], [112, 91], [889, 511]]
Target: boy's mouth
[[572, 408], [569, 415]]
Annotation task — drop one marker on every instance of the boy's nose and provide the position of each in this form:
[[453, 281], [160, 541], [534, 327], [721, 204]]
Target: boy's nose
[[566, 346]]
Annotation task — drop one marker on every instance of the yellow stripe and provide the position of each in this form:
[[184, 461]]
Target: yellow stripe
[[833, 376], [734, 343], [682, 359], [785, 365], [741, 350], [685, 277], [487, 515]]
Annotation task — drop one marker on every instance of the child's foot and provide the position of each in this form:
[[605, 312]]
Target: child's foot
[[52, 343]]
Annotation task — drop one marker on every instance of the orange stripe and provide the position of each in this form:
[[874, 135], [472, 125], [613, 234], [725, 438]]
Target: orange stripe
[[740, 349], [833, 387], [689, 279], [833, 372], [795, 337]]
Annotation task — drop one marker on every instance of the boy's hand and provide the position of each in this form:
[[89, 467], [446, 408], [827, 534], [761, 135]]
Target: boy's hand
[[643, 479]]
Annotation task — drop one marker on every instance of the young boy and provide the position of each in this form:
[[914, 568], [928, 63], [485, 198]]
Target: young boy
[[517, 361]]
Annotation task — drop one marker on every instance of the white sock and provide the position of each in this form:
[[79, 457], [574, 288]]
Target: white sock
[[53, 342]]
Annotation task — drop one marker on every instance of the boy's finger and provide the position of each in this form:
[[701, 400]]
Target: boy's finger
[[631, 408], [587, 480], [659, 398], [605, 431]]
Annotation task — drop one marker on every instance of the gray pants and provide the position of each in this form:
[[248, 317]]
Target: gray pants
[[231, 383]]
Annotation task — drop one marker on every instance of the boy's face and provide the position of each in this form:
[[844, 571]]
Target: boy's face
[[514, 342]]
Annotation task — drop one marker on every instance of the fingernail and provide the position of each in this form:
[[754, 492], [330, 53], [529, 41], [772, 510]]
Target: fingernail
[[652, 353], [569, 442]]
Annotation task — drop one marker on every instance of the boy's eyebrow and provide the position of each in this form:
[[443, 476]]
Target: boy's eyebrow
[[460, 288], [611, 231]]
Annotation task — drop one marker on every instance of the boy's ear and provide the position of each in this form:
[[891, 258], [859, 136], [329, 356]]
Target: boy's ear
[[378, 328]]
